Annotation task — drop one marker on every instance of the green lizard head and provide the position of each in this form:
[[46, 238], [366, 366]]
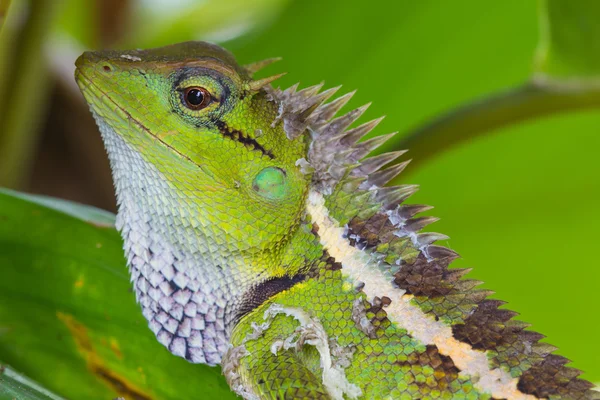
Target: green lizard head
[[207, 129]]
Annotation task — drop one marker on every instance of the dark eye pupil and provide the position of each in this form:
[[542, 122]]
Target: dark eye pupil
[[195, 97]]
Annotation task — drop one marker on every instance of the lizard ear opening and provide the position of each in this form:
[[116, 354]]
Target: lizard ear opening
[[271, 183]]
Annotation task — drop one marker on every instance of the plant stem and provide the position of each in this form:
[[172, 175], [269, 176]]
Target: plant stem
[[24, 89], [540, 97], [3, 10]]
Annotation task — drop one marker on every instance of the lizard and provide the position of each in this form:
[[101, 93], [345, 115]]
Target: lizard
[[261, 236]]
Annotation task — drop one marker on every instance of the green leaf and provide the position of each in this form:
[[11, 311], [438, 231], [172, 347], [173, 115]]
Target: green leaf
[[537, 99], [15, 386], [569, 45], [566, 78], [68, 317], [85, 213], [158, 23]]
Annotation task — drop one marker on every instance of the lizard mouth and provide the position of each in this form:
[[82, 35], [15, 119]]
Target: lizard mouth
[[90, 89]]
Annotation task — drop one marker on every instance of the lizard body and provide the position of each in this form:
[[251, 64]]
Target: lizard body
[[259, 237]]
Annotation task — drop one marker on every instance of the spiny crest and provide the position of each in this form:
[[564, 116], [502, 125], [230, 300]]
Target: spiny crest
[[336, 156], [255, 86], [335, 148], [257, 66], [258, 84], [297, 109]]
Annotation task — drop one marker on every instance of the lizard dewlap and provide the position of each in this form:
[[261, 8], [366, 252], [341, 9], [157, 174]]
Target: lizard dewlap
[[261, 237]]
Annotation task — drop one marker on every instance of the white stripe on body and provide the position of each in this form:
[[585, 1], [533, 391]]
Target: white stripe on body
[[358, 265]]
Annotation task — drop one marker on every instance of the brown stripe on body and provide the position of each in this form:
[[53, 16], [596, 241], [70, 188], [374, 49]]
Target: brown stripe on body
[[486, 327], [550, 378], [373, 231], [445, 371], [326, 263], [377, 233], [443, 293], [440, 290]]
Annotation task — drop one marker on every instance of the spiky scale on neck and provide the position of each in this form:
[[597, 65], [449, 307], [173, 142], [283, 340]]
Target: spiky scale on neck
[[238, 242]]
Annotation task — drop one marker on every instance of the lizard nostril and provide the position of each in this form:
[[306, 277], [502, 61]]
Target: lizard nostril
[[107, 68]]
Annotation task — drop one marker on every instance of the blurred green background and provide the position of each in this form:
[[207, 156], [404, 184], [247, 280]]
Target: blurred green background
[[499, 101]]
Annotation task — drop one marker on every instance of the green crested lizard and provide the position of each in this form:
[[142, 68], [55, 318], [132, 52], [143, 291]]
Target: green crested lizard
[[259, 237]]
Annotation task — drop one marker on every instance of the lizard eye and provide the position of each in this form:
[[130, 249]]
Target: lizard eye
[[196, 98]]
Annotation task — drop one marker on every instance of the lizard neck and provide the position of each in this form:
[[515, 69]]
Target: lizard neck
[[185, 282], [192, 287]]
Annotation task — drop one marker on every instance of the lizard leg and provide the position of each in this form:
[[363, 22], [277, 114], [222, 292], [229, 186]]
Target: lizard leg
[[287, 357]]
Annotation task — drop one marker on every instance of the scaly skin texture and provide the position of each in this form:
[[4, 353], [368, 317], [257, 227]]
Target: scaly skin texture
[[259, 237]]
